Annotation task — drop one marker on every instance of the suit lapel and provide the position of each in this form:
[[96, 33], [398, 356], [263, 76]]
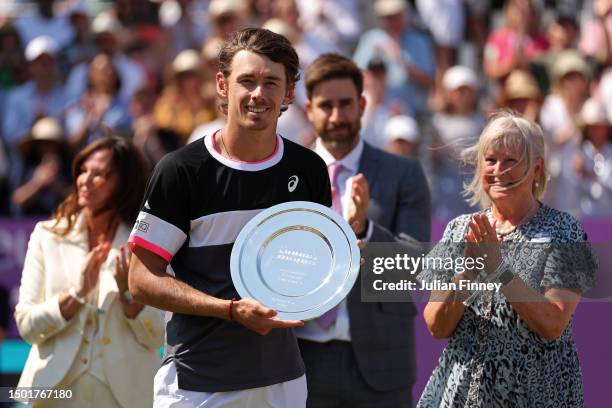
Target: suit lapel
[[73, 251]]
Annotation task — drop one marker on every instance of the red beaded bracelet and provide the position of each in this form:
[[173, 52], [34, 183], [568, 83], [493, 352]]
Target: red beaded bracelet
[[231, 316]]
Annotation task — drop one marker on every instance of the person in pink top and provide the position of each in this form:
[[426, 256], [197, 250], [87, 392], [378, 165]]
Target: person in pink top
[[516, 44], [596, 33]]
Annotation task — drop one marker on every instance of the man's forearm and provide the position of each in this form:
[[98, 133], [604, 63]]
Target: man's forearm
[[151, 285]]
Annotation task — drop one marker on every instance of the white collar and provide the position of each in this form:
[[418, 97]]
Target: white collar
[[350, 161], [270, 161]]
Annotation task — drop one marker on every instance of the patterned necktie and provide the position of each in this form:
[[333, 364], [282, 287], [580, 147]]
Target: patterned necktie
[[329, 318]]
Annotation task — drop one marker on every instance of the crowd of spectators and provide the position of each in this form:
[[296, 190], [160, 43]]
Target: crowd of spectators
[[73, 71]]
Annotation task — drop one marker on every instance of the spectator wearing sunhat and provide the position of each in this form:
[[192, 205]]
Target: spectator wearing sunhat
[[107, 31], [226, 16], [182, 106], [591, 163], [562, 34], [455, 127], [46, 179], [560, 113], [42, 95], [521, 93]]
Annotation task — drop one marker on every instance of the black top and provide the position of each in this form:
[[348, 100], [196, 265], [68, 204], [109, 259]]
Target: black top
[[195, 206]]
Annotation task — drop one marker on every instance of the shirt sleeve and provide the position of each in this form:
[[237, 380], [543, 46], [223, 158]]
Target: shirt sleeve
[[163, 222], [571, 263]]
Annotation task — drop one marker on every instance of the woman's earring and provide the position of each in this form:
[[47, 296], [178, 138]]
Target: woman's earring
[[284, 107], [537, 184]]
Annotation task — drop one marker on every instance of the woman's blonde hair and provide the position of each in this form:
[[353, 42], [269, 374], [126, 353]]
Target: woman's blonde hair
[[505, 130]]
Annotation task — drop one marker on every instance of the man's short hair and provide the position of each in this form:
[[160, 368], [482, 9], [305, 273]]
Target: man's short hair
[[332, 66], [263, 42]]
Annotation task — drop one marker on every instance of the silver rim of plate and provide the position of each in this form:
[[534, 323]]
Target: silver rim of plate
[[299, 258]]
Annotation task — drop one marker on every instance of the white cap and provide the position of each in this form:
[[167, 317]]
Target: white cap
[[212, 47], [389, 7], [105, 22], [402, 127], [187, 60], [39, 46], [47, 128], [278, 26], [219, 8], [593, 113], [458, 76]]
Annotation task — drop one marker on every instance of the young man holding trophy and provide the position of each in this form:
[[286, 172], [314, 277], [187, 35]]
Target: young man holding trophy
[[220, 350]]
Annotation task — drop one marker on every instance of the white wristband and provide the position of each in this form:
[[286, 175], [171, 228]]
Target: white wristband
[[72, 293]]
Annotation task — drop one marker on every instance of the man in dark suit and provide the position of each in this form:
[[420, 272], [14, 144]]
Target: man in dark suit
[[361, 354]]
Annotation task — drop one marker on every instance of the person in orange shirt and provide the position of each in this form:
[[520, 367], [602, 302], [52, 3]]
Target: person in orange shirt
[[182, 105]]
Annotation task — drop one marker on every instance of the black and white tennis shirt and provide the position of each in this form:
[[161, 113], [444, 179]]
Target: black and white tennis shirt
[[196, 203]]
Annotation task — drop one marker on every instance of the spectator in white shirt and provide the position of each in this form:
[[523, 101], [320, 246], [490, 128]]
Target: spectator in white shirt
[[42, 95]]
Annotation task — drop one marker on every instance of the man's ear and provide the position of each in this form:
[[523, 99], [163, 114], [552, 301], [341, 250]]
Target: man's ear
[[308, 109], [290, 94], [221, 85], [362, 105]]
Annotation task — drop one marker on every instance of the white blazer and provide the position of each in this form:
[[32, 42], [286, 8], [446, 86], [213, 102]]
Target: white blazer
[[130, 346]]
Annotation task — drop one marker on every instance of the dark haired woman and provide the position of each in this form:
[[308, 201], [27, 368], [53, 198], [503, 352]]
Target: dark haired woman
[[87, 335]]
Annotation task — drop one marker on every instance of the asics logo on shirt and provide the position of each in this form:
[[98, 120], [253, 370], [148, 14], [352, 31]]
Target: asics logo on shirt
[[293, 182]]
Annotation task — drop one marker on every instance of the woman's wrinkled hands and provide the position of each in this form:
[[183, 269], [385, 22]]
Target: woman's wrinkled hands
[[481, 241], [91, 270]]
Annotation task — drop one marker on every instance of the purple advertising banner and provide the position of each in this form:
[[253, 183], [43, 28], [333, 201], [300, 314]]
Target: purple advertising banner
[[592, 328], [14, 236]]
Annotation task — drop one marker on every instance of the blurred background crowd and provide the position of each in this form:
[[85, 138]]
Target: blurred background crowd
[[73, 71]]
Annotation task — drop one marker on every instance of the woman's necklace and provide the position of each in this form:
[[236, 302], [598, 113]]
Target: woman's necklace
[[223, 146], [532, 211]]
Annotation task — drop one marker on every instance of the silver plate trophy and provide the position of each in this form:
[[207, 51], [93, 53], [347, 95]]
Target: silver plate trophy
[[299, 258]]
